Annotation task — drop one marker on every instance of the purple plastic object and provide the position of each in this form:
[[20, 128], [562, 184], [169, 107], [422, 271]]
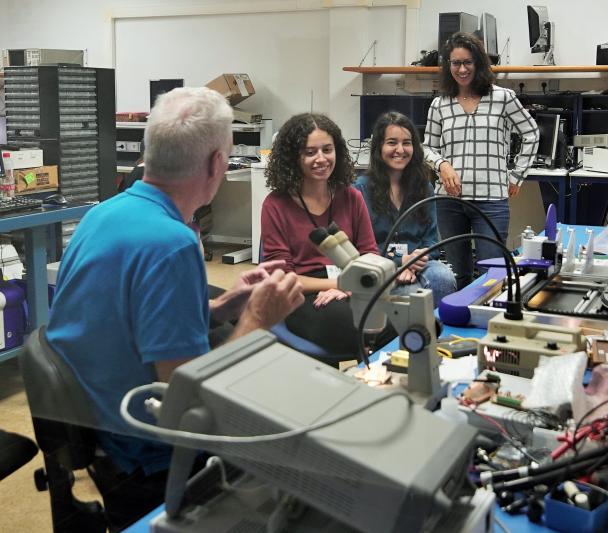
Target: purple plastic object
[[500, 262], [454, 308], [551, 223], [14, 314], [535, 263]]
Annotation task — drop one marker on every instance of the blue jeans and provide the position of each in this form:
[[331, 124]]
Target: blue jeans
[[436, 276], [456, 219]]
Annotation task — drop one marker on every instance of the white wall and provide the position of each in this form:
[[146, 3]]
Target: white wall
[[287, 53], [292, 49], [352, 33], [70, 24], [281, 52]]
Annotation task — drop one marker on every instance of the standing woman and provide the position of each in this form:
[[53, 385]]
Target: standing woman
[[310, 173], [467, 140], [396, 179]]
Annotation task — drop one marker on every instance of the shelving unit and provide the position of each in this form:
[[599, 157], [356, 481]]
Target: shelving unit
[[582, 114], [231, 205], [594, 114], [68, 112], [129, 136], [498, 69], [416, 108], [247, 140]]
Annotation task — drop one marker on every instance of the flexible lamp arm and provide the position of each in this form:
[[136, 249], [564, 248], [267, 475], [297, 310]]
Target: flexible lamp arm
[[472, 206], [513, 307]]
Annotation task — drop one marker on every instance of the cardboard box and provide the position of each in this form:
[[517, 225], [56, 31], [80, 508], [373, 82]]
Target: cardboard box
[[29, 180], [140, 116], [29, 158], [235, 87]]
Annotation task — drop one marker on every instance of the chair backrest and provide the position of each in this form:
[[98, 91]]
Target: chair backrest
[[61, 410]]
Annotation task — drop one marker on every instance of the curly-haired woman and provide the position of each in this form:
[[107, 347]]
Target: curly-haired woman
[[467, 138], [396, 179], [310, 173]]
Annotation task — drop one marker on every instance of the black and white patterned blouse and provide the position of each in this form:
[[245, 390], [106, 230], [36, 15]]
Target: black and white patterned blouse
[[477, 144]]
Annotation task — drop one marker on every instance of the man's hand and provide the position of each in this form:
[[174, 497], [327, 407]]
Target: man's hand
[[270, 298], [513, 190], [450, 179], [324, 297], [270, 302], [230, 304]]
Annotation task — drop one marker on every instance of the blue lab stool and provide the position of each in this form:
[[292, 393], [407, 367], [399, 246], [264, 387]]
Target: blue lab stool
[[303, 345]]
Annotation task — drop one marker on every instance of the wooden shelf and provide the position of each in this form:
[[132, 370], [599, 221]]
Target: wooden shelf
[[504, 69]]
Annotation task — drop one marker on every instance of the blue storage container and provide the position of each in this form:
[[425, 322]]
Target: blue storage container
[[562, 516]]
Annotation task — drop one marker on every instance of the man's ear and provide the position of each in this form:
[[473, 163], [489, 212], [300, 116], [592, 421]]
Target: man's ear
[[217, 163]]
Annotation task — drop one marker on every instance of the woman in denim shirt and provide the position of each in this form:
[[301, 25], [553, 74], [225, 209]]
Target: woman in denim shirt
[[396, 179]]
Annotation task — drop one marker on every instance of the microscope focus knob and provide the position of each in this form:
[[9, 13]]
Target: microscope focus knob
[[416, 338]]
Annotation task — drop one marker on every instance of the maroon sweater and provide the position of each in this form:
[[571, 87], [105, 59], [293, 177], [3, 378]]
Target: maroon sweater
[[285, 229]]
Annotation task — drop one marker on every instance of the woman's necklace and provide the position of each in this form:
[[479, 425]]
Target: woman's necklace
[[469, 97], [309, 214]]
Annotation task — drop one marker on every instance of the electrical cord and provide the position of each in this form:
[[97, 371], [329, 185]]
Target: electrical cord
[[513, 307], [582, 419], [503, 431], [435, 199], [196, 440], [552, 477], [224, 484], [501, 524], [525, 477]]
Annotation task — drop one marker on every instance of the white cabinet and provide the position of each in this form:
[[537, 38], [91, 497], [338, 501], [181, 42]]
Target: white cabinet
[[247, 140], [259, 191]]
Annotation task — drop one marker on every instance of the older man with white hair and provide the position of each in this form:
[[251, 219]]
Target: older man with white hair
[[132, 297]]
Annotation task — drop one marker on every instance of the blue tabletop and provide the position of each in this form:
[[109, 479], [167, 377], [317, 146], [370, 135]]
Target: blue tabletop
[[514, 523], [43, 216]]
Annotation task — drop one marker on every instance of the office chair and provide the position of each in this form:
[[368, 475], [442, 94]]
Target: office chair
[[63, 422], [15, 451]]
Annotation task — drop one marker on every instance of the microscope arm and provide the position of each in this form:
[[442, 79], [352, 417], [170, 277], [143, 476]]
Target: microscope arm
[[412, 316]]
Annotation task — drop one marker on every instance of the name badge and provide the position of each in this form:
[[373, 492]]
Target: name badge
[[332, 271], [396, 249]]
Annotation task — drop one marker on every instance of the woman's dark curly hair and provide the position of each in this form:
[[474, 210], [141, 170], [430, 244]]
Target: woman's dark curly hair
[[484, 77], [284, 174], [415, 178]]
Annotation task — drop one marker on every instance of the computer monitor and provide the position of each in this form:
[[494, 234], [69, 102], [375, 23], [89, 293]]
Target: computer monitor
[[488, 33], [548, 124], [541, 33], [391, 466], [451, 23], [158, 87]]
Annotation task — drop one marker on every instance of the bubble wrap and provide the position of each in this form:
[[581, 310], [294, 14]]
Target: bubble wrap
[[558, 380]]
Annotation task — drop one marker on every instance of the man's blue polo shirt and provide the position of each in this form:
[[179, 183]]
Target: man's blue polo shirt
[[131, 290]]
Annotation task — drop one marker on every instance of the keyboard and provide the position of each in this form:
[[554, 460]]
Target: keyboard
[[18, 203]]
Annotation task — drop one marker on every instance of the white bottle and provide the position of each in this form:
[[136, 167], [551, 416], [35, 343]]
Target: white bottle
[[9, 176]]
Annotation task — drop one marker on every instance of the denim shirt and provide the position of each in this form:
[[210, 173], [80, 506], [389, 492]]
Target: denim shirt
[[410, 231]]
